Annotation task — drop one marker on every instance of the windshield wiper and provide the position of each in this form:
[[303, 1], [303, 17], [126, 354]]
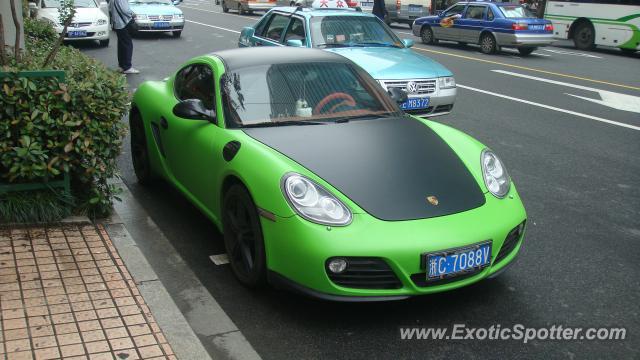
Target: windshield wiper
[[332, 45], [346, 119], [375, 44], [284, 123]]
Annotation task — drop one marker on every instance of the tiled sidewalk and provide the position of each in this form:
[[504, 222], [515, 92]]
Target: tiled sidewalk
[[66, 294]]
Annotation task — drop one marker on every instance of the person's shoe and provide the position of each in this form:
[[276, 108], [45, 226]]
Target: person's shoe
[[131, 71]]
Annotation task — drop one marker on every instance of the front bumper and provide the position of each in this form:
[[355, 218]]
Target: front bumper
[[147, 25], [254, 6], [440, 103], [94, 32], [297, 250], [520, 40]]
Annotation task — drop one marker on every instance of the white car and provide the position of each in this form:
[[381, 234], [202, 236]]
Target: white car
[[90, 22]]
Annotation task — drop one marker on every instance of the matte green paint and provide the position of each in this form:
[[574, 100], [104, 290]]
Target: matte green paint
[[297, 248]]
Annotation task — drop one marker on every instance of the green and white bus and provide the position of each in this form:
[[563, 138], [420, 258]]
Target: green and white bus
[[589, 23]]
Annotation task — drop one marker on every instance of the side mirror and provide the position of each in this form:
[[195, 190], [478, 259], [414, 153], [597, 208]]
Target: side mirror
[[398, 95], [439, 12], [248, 31], [407, 42], [294, 43], [177, 2], [193, 109]]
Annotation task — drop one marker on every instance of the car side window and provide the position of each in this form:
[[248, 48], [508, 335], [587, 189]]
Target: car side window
[[262, 25], [295, 30], [475, 12], [456, 10], [490, 15], [196, 82], [276, 27]]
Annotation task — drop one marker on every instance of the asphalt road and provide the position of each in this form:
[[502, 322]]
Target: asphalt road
[[573, 156]]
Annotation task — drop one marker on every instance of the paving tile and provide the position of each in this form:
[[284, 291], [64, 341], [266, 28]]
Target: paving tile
[[10, 324], [97, 346], [144, 340], [117, 332], [15, 334], [150, 351], [66, 328], [128, 354], [103, 303], [72, 350], [47, 353], [111, 322], [22, 355], [13, 313], [44, 342], [93, 335], [102, 356], [121, 343], [41, 330], [68, 339], [86, 315], [17, 345]]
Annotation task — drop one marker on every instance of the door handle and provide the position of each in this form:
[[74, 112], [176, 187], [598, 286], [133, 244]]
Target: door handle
[[164, 123]]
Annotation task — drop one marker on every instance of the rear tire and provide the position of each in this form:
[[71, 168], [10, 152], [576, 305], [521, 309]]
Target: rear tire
[[584, 36], [140, 150], [526, 51], [426, 35], [488, 44], [243, 237], [225, 9]]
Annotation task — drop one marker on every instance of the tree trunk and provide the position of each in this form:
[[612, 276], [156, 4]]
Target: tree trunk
[[54, 51], [3, 60], [16, 23]]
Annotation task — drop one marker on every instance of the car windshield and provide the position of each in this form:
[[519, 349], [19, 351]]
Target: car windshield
[[515, 12], [158, 2], [76, 3], [302, 93], [346, 31]]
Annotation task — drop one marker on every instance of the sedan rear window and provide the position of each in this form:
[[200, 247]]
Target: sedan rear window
[[515, 12]]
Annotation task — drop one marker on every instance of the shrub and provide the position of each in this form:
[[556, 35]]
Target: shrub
[[47, 127], [37, 29]]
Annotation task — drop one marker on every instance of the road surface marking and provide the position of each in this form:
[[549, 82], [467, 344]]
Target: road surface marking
[[611, 99], [220, 259], [586, 116], [215, 27], [538, 54], [222, 13], [563, 52], [528, 68]]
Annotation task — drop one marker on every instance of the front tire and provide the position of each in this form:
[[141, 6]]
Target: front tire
[[140, 150], [103, 43], [225, 9], [426, 35], [526, 51], [243, 237], [488, 44], [177, 33], [584, 36]]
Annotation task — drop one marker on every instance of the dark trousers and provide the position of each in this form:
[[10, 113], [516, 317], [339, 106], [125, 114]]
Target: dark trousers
[[125, 48]]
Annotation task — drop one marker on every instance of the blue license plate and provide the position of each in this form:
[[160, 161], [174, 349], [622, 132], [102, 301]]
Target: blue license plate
[[417, 103], [454, 262], [536, 27], [77, 33], [161, 25], [415, 8]]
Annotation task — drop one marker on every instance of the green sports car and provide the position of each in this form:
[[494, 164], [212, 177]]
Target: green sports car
[[319, 182]]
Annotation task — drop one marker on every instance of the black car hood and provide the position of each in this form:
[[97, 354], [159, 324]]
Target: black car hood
[[389, 167]]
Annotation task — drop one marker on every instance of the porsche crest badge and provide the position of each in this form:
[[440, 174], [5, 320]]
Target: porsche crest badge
[[432, 200]]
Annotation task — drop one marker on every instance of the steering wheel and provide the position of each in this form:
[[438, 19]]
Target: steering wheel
[[347, 100]]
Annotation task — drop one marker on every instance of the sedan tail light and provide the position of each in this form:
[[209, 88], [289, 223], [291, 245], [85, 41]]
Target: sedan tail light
[[548, 27], [519, 26]]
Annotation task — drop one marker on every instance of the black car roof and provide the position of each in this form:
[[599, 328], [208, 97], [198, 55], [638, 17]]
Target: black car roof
[[256, 56]]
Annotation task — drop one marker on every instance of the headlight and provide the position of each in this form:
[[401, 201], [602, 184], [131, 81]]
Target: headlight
[[101, 22], [447, 82], [139, 17], [495, 174], [178, 16], [313, 202]]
